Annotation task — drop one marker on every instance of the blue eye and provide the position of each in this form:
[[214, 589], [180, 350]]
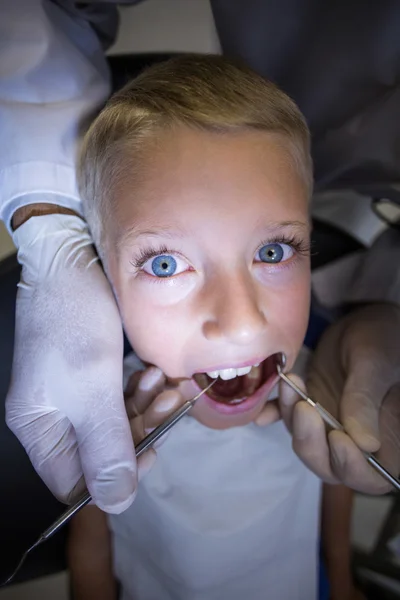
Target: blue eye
[[274, 253], [163, 265]]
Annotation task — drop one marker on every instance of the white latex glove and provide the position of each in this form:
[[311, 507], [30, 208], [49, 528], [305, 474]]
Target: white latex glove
[[65, 403], [355, 374], [148, 404]]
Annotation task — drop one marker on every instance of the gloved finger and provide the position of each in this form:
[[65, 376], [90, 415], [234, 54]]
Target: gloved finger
[[132, 385], [137, 429], [363, 394], [164, 405], [151, 383], [269, 414], [389, 452], [288, 399], [51, 455], [78, 490], [310, 442], [109, 468], [139, 432], [146, 462], [351, 468], [157, 412]]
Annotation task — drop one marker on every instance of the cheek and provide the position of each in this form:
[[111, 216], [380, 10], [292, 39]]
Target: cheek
[[168, 292], [152, 330], [294, 309], [287, 304]]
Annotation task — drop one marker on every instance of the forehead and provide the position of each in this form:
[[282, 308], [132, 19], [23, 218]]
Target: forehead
[[190, 174]]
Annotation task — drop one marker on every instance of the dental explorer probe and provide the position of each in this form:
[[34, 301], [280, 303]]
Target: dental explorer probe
[[334, 424], [144, 445]]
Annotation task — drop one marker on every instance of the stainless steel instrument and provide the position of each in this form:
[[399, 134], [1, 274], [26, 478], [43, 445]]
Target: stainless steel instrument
[[334, 424], [144, 445]]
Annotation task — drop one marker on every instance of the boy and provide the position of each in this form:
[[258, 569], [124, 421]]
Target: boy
[[196, 179]]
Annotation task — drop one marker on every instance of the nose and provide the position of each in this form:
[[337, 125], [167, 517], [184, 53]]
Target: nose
[[235, 312]]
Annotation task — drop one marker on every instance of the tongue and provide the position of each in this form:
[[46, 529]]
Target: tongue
[[231, 388]]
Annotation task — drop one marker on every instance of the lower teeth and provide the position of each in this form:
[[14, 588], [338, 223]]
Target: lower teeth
[[236, 400]]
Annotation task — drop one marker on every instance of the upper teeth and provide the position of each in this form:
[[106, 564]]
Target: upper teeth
[[230, 373]]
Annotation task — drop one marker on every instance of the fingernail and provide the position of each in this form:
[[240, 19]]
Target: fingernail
[[119, 507], [337, 459], [76, 492], [166, 401], [115, 491], [150, 378]]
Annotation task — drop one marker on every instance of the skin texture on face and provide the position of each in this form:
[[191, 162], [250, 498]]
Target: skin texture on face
[[209, 204]]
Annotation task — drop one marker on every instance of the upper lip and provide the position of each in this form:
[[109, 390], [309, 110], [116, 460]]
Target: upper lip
[[233, 365]]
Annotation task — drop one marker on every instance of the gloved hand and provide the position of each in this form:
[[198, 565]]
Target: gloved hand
[[148, 405], [355, 374], [65, 403]]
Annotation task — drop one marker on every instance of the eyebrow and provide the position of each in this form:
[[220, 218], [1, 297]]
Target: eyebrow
[[167, 231], [279, 225], [174, 231]]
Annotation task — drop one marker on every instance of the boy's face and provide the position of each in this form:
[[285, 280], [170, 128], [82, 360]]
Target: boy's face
[[211, 266]]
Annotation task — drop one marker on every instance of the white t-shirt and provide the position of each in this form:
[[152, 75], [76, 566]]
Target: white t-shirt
[[223, 515]]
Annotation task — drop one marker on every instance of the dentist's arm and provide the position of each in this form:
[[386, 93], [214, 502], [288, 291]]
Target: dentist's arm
[[65, 402]]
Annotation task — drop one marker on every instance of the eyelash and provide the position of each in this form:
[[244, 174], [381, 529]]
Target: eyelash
[[144, 255], [300, 246]]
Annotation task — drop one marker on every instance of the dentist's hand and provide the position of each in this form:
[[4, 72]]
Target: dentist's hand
[[355, 374], [148, 405], [65, 403]]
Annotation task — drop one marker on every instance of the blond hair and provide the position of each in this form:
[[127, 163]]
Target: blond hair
[[206, 92]]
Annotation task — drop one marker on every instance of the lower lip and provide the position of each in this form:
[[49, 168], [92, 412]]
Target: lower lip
[[249, 404]]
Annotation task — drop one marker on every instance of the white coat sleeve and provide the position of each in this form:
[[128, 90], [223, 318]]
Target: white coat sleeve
[[378, 277], [370, 275], [53, 78]]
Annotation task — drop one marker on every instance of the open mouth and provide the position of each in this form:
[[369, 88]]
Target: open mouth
[[235, 386]]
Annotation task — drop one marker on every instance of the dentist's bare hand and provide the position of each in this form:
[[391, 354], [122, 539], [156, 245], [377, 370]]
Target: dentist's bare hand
[[355, 375]]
